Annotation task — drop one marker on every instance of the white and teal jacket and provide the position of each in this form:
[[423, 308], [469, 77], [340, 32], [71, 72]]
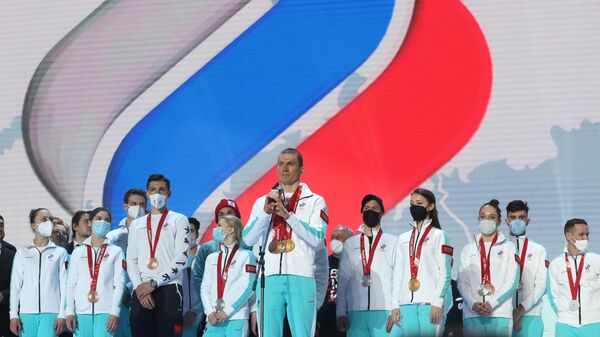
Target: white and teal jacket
[[504, 272], [38, 281], [534, 277], [351, 294], [434, 272], [559, 292], [308, 224], [111, 280], [238, 292]]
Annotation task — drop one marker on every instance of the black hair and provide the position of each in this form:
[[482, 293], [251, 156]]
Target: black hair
[[517, 206], [370, 197], [194, 222], [570, 224], [290, 150], [427, 194], [134, 191], [98, 210], [34, 212], [158, 177], [1, 217], [75, 220], [494, 203]]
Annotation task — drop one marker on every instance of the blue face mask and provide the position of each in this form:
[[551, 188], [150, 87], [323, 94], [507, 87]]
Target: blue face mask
[[100, 228], [517, 227], [218, 234]]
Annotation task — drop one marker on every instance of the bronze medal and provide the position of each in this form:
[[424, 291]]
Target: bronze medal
[[152, 263], [93, 296]]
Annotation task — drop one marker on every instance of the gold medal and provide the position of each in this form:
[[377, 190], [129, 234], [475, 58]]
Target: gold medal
[[289, 245], [93, 296], [414, 284], [280, 247], [152, 263]]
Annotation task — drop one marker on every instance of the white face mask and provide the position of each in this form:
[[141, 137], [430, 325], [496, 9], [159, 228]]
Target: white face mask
[[336, 246], [135, 212], [158, 200], [45, 229], [581, 245], [487, 227]]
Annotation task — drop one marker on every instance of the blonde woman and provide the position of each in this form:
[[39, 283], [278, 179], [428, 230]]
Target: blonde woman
[[227, 284]]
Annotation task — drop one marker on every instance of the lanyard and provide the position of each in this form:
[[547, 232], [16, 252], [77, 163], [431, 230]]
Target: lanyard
[[95, 268], [363, 254], [574, 286], [158, 231], [486, 278], [415, 256], [222, 276]]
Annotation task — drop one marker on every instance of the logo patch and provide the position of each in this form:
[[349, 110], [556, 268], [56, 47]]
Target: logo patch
[[324, 217], [500, 253], [251, 268], [382, 247], [448, 250], [51, 257], [302, 204]]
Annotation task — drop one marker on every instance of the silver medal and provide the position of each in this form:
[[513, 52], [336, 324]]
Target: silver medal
[[366, 280], [220, 305], [574, 305]]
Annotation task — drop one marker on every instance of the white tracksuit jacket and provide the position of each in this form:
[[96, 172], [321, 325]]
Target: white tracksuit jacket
[[434, 269], [111, 280], [504, 271], [309, 225], [351, 294], [171, 253], [238, 289], [38, 280], [559, 291], [534, 277]]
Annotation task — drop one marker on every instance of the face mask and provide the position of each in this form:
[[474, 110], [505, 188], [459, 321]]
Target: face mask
[[134, 212], [419, 213], [218, 234], [371, 218], [517, 227], [60, 240], [581, 245], [336, 246], [158, 200], [100, 228], [45, 229], [487, 227]]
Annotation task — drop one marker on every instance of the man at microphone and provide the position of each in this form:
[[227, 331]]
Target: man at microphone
[[299, 223]]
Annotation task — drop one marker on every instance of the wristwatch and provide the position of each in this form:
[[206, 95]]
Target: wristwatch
[[153, 284]]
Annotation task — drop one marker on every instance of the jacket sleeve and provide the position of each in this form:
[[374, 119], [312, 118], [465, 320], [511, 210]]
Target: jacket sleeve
[[209, 282], [399, 266], [72, 280], [443, 258], [539, 284], [464, 283], [239, 291], [321, 274], [16, 284], [344, 277], [133, 269], [182, 245], [62, 274], [257, 225], [552, 286], [118, 282], [311, 230], [508, 288]]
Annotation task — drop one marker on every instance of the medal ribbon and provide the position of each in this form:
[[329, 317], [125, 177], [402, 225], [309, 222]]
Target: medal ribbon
[[222, 276], [158, 231], [414, 258], [282, 232], [95, 269], [523, 255], [486, 278], [574, 285], [363, 254]]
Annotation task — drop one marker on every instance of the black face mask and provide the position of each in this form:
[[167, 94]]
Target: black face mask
[[371, 218], [419, 213]]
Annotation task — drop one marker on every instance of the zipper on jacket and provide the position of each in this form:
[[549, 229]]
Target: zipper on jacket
[[369, 287], [578, 291], [520, 281], [39, 281], [280, 262]]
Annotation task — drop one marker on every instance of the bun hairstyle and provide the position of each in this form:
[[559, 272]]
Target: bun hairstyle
[[493, 203], [34, 212]]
